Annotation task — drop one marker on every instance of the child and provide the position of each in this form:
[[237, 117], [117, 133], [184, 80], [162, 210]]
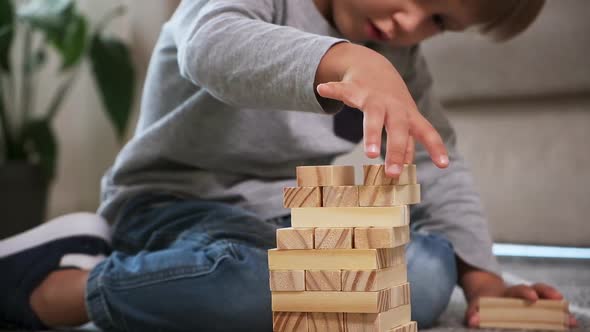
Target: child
[[195, 197]]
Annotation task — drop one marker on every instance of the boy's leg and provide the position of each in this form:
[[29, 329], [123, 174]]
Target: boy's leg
[[184, 265], [432, 274]]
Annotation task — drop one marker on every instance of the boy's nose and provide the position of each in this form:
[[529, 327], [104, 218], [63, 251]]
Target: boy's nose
[[411, 20], [386, 26]]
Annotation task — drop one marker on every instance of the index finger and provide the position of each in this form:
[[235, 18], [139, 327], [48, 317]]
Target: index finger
[[425, 133]]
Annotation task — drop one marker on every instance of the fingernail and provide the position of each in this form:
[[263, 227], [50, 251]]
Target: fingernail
[[444, 160], [372, 148], [394, 169]]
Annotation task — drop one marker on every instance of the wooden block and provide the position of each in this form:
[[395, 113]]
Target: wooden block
[[360, 302], [524, 326], [302, 197], [374, 175], [350, 216], [340, 196], [287, 280], [295, 238], [333, 238], [373, 280], [389, 195], [382, 322], [318, 280], [522, 314], [409, 327], [289, 322], [335, 259], [381, 237], [326, 321], [316, 176], [504, 302]]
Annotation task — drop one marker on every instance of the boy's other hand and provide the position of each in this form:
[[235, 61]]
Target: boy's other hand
[[531, 293], [364, 79]]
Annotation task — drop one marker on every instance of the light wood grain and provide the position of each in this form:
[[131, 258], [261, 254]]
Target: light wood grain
[[316, 176], [389, 195], [340, 196], [350, 216], [409, 327], [504, 302], [302, 197], [382, 322], [335, 259], [523, 326], [295, 238], [326, 321], [289, 322], [358, 302], [323, 280], [333, 238], [381, 237], [374, 175], [287, 280], [373, 280]]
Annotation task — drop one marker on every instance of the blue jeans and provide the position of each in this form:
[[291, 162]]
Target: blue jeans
[[186, 265]]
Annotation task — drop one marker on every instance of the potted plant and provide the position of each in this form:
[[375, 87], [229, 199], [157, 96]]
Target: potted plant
[[28, 148]]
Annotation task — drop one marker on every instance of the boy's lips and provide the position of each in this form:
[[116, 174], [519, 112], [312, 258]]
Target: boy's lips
[[375, 33]]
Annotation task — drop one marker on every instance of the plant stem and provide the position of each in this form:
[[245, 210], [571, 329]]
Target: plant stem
[[26, 86], [59, 96], [6, 138]]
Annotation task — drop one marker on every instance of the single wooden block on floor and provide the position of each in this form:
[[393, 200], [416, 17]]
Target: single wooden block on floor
[[287, 280], [381, 237], [319, 176], [333, 238], [359, 302], [373, 280], [323, 280], [374, 175], [326, 321], [521, 314], [340, 196], [409, 327], [335, 259], [389, 195], [289, 322], [302, 197], [295, 238], [392, 216], [381, 322]]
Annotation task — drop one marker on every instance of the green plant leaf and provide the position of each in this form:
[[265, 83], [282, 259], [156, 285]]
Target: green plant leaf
[[6, 33], [114, 76], [71, 44], [41, 145], [50, 16]]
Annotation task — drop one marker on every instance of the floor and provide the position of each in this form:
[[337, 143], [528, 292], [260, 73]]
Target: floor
[[571, 277]]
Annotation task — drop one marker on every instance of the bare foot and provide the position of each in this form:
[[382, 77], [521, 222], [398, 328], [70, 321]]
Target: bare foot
[[59, 299]]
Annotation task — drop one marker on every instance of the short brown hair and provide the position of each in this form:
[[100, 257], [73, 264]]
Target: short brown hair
[[504, 19]]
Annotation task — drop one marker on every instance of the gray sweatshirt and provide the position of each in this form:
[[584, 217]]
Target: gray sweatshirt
[[229, 110]]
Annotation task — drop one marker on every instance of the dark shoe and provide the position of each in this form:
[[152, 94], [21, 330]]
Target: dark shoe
[[78, 240]]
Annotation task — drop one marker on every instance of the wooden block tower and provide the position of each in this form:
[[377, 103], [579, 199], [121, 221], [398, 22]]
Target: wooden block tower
[[341, 266]]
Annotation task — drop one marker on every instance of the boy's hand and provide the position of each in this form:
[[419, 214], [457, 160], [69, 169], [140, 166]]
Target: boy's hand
[[531, 293], [368, 81]]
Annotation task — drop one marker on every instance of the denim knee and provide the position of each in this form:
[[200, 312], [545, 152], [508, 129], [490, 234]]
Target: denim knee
[[432, 272]]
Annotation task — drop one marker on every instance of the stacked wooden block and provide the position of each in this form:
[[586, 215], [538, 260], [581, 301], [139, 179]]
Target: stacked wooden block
[[341, 266], [546, 315]]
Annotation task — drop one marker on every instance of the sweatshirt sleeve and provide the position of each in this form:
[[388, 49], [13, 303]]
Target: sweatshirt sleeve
[[450, 204], [236, 50]]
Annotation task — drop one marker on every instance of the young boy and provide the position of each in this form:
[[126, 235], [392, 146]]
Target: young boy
[[239, 93]]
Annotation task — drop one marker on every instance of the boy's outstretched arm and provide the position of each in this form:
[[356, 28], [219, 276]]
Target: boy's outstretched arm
[[239, 52]]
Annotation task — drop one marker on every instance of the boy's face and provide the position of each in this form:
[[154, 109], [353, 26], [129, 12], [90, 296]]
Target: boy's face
[[398, 22]]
